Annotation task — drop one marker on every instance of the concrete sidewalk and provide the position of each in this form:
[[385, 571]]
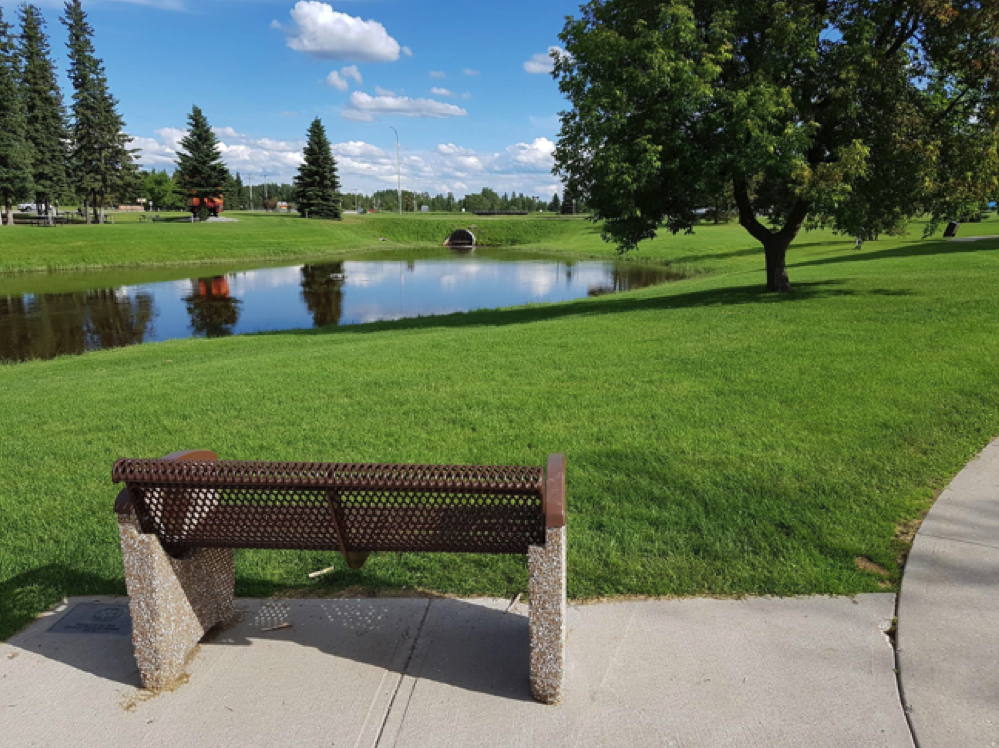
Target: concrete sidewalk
[[813, 672], [948, 614]]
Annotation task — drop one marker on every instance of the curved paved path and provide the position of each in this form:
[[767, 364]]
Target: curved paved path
[[948, 614]]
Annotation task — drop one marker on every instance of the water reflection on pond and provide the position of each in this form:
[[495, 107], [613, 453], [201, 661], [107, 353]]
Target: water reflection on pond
[[64, 313]]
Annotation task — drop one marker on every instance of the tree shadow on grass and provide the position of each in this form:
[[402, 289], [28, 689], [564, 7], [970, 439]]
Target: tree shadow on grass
[[921, 249], [720, 297]]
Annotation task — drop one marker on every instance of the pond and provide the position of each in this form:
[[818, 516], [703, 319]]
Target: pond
[[48, 315]]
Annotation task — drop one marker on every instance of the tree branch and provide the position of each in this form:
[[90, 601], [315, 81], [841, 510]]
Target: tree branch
[[747, 217], [896, 8], [795, 218], [950, 107], [908, 28]]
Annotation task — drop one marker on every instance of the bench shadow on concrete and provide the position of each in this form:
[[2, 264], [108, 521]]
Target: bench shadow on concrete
[[470, 646], [462, 644]]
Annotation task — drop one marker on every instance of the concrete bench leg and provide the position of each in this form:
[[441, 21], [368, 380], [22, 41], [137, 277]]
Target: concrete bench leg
[[173, 602], [546, 565]]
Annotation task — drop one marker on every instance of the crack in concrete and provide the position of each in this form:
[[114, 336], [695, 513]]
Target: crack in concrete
[[893, 641], [959, 540], [402, 675]]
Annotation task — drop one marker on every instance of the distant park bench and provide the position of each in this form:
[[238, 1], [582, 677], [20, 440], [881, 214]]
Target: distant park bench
[[43, 221], [180, 518]]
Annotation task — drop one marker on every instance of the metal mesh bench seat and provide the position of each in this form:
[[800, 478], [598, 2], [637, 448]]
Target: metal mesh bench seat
[[181, 516]]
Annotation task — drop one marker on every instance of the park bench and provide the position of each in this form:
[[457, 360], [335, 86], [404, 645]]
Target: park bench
[[180, 518]]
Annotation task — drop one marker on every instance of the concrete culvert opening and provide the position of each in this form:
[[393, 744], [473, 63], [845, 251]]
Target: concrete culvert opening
[[461, 238]]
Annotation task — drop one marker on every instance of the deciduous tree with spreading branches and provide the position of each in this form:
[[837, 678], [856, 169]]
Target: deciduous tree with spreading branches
[[851, 114]]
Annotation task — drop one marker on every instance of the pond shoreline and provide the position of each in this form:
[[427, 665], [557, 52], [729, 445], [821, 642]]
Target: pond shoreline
[[75, 312]]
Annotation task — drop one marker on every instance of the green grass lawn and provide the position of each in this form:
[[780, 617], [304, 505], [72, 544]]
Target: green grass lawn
[[719, 440], [256, 236]]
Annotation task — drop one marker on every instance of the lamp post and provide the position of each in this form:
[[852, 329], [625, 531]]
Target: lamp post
[[265, 174], [398, 166]]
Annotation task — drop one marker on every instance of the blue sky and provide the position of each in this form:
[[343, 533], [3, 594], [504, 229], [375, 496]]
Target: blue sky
[[463, 82]]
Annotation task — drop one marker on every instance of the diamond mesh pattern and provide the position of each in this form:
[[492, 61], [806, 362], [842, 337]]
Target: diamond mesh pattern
[[474, 509]]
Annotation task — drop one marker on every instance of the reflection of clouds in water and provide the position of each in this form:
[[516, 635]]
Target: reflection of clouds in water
[[367, 274], [254, 280], [124, 293], [362, 313], [540, 278], [447, 274]]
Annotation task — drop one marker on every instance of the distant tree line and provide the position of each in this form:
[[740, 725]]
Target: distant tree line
[[487, 199], [48, 153]]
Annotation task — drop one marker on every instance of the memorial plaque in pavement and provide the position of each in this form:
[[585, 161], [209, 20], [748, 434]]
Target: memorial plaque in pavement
[[95, 618]]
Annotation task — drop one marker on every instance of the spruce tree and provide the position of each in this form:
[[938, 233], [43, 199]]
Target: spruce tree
[[44, 113], [200, 171], [15, 153], [317, 187], [100, 161]]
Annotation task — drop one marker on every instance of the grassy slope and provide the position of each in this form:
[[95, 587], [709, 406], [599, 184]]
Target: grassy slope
[[718, 440], [254, 237]]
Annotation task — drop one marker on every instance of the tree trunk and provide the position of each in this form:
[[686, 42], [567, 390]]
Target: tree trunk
[[776, 252], [86, 211]]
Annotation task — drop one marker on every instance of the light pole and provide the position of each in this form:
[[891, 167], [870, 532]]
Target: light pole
[[265, 174], [398, 166]]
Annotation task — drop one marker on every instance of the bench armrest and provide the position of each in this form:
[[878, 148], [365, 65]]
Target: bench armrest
[[555, 491], [123, 502]]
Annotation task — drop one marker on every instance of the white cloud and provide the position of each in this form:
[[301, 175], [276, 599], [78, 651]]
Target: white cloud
[[334, 80], [320, 31], [225, 132], [536, 156], [440, 91], [469, 71], [384, 91], [407, 51], [438, 74], [357, 148], [521, 167], [339, 80], [154, 153], [450, 149], [543, 62], [240, 152], [171, 136], [353, 73], [458, 161], [364, 107]]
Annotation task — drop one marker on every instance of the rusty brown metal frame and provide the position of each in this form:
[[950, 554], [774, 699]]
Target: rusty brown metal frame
[[554, 501], [196, 468]]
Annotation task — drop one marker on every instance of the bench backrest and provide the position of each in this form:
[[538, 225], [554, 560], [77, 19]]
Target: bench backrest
[[191, 500]]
